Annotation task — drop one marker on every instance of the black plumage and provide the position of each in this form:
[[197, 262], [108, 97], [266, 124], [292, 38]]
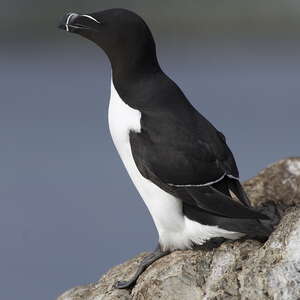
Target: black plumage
[[179, 162]]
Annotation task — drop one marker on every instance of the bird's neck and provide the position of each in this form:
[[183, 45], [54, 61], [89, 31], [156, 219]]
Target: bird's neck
[[132, 66], [133, 58], [131, 73]]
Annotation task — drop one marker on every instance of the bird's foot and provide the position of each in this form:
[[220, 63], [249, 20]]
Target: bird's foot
[[146, 262], [124, 284]]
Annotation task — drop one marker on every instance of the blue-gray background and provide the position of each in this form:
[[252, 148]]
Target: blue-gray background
[[68, 210]]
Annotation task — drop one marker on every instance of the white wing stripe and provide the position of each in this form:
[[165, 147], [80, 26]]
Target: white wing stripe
[[204, 184], [233, 177]]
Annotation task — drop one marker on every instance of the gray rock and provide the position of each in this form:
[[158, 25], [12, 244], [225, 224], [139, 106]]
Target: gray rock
[[243, 269]]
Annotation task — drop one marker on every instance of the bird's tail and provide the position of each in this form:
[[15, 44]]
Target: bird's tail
[[260, 230], [253, 228], [213, 205]]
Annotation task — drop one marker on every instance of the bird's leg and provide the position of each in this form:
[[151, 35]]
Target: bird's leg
[[146, 262]]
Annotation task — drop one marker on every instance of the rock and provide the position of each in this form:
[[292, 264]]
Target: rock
[[243, 269]]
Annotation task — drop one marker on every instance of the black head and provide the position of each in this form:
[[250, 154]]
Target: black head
[[122, 34]]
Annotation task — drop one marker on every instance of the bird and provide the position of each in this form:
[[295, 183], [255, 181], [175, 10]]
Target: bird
[[178, 161]]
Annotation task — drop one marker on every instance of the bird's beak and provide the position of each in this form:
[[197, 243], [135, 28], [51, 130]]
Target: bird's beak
[[73, 22]]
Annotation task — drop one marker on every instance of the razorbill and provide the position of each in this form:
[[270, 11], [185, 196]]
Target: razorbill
[[179, 162]]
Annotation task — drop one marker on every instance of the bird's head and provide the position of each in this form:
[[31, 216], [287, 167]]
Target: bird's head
[[122, 34]]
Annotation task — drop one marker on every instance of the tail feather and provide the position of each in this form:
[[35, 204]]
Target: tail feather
[[214, 206], [212, 200], [255, 229]]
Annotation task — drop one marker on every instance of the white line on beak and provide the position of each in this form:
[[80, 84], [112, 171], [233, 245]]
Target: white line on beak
[[87, 16], [68, 19]]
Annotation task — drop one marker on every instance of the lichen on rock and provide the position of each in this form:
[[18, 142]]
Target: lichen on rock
[[243, 269]]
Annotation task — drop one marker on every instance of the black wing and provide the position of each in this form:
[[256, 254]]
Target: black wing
[[192, 164], [183, 149]]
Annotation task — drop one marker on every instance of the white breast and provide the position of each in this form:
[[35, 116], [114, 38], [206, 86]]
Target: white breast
[[175, 230]]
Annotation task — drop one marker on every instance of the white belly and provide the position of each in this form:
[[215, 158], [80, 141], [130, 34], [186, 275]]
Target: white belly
[[175, 230]]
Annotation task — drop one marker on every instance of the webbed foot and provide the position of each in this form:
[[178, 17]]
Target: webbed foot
[[146, 262]]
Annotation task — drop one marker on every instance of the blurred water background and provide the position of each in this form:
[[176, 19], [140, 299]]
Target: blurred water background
[[68, 210]]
